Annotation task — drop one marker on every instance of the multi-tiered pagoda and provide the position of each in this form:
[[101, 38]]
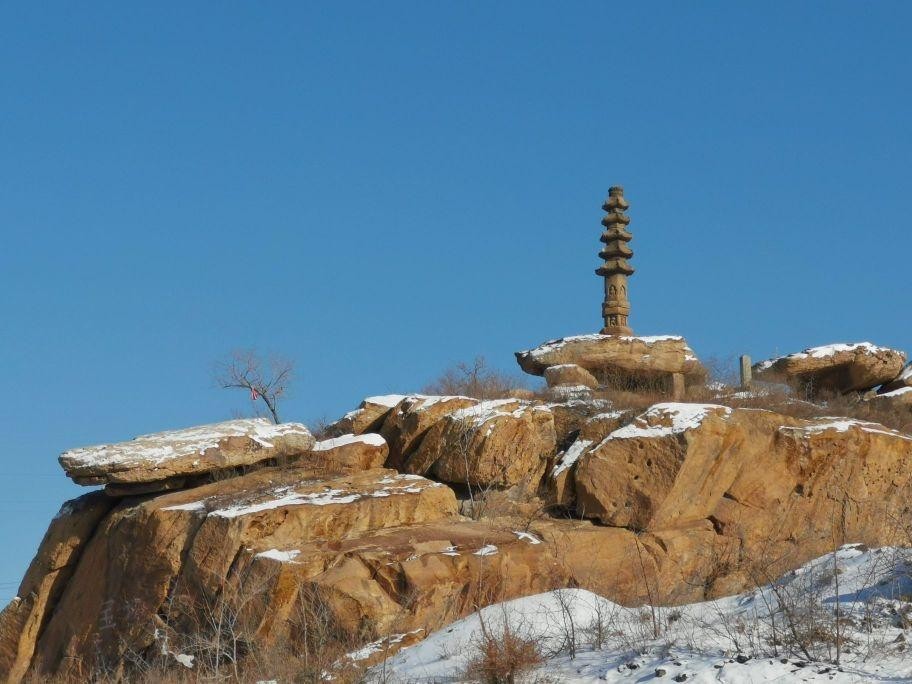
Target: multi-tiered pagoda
[[616, 269]]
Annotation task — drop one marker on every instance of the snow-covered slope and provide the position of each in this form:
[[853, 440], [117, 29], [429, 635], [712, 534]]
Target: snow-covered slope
[[783, 632]]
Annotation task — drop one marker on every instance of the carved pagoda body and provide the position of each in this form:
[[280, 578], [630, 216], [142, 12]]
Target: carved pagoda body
[[616, 269]]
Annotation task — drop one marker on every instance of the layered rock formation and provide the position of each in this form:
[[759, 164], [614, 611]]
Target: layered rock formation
[[834, 368], [679, 503], [663, 363]]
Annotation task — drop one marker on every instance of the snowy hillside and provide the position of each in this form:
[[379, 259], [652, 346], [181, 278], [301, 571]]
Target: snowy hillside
[[786, 631]]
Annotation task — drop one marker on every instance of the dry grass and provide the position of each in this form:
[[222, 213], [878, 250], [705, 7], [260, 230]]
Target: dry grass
[[479, 381], [502, 656]]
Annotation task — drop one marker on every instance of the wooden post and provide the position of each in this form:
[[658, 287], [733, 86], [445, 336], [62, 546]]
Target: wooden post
[[745, 372]]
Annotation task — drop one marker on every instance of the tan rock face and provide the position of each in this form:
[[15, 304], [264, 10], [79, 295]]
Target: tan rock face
[[769, 481], [349, 453], [500, 443], [368, 417], [188, 452], [402, 579], [190, 540], [602, 355], [23, 619], [627, 480], [837, 368], [407, 423], [569, 374]]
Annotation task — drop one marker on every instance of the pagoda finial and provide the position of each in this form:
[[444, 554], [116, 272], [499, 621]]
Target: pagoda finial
[[616, 307]]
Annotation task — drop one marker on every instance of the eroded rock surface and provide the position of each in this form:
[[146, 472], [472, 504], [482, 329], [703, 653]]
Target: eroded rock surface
[[835, 368]]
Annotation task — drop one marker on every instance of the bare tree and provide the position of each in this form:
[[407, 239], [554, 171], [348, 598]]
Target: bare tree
[[265, 378]]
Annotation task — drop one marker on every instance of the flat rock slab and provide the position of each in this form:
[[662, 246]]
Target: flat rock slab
[[837, 368], [603, 354], [191, 451]]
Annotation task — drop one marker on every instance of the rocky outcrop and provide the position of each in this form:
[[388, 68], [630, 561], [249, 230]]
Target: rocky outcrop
[[680, 503], [834, 368], [190, 452], [496, 443], [191, 541], [411, 418]]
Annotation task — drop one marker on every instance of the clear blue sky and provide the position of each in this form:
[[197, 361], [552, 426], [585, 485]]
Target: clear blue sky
[[378, 190]]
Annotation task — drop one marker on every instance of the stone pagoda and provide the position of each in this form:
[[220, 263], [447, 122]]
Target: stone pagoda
[[616, 269], [614, 358]]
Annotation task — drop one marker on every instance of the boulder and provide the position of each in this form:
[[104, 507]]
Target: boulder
[[407, 423], [349, 453], [569, 374], [190, 542], [834, 368], [368, 417], [903, 380], [497, 443], [189, 452]]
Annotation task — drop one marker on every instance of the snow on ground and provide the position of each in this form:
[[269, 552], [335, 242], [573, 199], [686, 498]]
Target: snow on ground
[[159, 447], [738, 639]]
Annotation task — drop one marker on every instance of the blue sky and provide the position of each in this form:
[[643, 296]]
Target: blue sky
[[379, 190]]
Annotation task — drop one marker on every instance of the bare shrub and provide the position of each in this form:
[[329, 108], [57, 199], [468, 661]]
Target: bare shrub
[[502, 655], [265, 378], [476, 380]]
